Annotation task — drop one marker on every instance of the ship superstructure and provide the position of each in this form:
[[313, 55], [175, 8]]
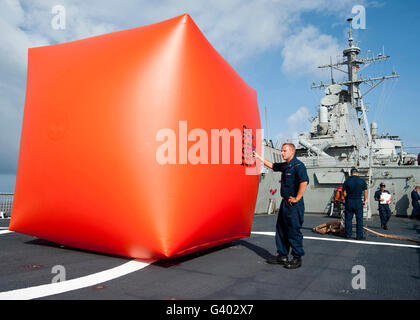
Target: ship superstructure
[[341, 137]]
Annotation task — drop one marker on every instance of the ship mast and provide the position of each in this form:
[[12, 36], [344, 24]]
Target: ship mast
[[352, 62], [355, 97], [351, 53]]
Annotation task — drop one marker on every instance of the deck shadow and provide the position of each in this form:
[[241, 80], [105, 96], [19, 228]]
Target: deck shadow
[[167, 263], [263, 253], [170, 262]]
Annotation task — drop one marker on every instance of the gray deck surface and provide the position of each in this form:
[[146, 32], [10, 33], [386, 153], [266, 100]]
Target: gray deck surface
[[232, 271]]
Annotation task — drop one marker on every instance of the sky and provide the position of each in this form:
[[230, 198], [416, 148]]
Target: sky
[[274, 45]]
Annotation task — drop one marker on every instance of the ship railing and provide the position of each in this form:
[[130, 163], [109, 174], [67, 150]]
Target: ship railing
[[6, 201]]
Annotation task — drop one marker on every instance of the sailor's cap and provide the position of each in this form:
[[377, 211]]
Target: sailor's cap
[[354, 170]]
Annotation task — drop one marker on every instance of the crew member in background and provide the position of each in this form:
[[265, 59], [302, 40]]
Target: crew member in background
[[353, 189], [415, 202], [339, 202], [294, 180], [384, 198]]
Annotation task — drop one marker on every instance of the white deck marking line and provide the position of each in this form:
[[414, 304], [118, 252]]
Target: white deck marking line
[[74, 284], [348, 240], [5, 231]]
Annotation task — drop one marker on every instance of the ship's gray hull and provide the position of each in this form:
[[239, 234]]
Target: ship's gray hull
[[324, 181]]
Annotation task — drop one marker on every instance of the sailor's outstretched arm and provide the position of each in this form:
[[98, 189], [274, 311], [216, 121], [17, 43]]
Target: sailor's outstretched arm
[[266, 162]]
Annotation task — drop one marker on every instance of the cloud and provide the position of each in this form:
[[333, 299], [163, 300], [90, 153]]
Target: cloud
[[308, 49], [13, 62], [297, 118], [238, 29], [23, 26], [297, 122]]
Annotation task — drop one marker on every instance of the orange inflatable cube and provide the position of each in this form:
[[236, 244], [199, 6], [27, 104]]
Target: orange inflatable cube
[[124, 149]]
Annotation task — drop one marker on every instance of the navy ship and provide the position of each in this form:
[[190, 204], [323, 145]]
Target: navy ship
[[340, 138]]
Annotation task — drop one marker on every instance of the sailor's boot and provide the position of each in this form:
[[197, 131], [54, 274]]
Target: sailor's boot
[[278, 260], [294, 263]]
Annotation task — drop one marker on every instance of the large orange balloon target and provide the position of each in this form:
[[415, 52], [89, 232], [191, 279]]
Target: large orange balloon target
[[118, 150]]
